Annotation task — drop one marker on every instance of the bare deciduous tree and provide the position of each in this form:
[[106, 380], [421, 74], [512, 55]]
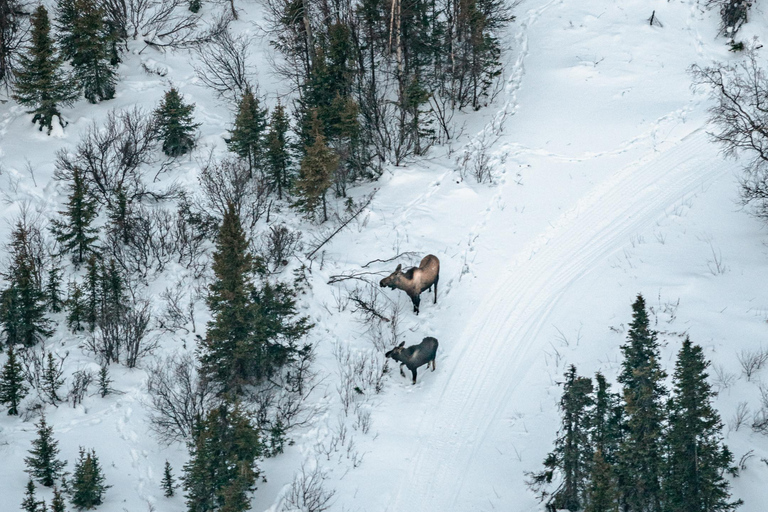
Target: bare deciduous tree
[[224, 64], [307, 492]]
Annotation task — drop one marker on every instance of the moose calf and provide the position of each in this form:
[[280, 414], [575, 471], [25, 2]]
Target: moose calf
[[415, 355], [415, 280]]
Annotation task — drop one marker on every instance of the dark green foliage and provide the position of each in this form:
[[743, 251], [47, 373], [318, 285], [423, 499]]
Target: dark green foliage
[[175, 124], [602, 493], [697, 459], [22, 306], [76, 235], [77, 308], [53, 289], [605, 437], [254, 331], [86, 41], [30, 503], [13, 34], [104, 381], [57, 504], [247, 136], [168, 481], [92, 291], [41, 85], [87, 485], [12, 388], [278, 159], [52, 379], [315, 175], [222, 471], [641, 455], [194, 5], [572, 456], [43, 464]]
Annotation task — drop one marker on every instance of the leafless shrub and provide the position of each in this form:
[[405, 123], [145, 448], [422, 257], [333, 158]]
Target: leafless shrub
[[179, 311], [81, 379], [760, 418], [279, 244], [361, 373], [224, 64], [229, 181], [362, 419], [723, 378], [123, 336], [752, 361], [307, 492], [716, 265], [740, 417], [178, 397], [733, 14], [145, 242], [113, 158]]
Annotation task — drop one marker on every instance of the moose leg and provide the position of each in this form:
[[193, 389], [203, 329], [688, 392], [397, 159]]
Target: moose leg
[[433, 365], [436, 280], [413, 371], [416, 300], [401, 369]]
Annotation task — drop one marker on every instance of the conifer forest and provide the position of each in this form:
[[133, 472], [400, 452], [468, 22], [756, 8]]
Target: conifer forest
[[383, 255]]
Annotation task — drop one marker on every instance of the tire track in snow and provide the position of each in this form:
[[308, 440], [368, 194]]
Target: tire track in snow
[[495, 350]]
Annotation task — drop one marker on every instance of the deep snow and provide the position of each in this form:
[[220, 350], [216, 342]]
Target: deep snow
[[606, 186]]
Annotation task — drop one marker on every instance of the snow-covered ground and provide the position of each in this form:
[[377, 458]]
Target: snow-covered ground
[[606, 185]]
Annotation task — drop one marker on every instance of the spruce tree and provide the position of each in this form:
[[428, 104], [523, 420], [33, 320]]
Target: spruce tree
[[175, 124], [87, 483], [247, 136], [316, 174], [41, 85], [22, 304], [278, 158], [602, 492], [30, 503], [641, 455], [104, 381], [77, 310], [222, 467], [605, 438], [52, 380], [572, 455], [57, 504], [168, 481], [697, 458], [92, 292], [43, 464], [86, 42], [53, 289], [76, 234], [12, 388]]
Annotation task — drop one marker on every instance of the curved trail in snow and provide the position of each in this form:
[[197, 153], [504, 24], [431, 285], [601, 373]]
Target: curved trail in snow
[[497, 348]]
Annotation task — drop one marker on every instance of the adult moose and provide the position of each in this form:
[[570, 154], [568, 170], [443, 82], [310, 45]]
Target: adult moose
[[416, 279], [415, 355]]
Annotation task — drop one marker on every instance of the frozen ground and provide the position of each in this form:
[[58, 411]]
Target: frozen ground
[[606, 186]]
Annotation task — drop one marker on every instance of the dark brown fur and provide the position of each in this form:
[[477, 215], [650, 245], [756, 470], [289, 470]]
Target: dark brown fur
[[416, 279], [415, 355]]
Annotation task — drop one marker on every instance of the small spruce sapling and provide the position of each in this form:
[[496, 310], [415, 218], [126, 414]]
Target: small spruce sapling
[[52, 378], [53, 289], [104, 381], [169, 483], [12, 388], [247, 135], [43, 464], [87, 485], [57, 504], [175, 124], [30, 503]]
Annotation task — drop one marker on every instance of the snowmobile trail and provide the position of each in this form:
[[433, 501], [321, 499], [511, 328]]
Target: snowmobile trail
[[490, 359]]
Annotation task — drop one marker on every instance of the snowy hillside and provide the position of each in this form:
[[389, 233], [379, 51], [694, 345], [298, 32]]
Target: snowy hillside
[[605, 185]]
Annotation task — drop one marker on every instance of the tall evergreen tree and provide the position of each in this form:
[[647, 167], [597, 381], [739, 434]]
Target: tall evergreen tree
[[316, 174], [76, 234], [12, 388], [30, 503], [605, 439], [53, 289], [85, 40], [88, 485], [52, 379], [22, 303], [175, 124], [168, 482], [572, 456], [602, 491], [697, 458], [77, 310], [43, 465], [222, 467], [641, 456], [41, 85], [278, 158], [253, 331], [247, 136]]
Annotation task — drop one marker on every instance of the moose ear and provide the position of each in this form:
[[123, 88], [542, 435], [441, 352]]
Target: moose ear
[[401, 345], [399, 268]]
